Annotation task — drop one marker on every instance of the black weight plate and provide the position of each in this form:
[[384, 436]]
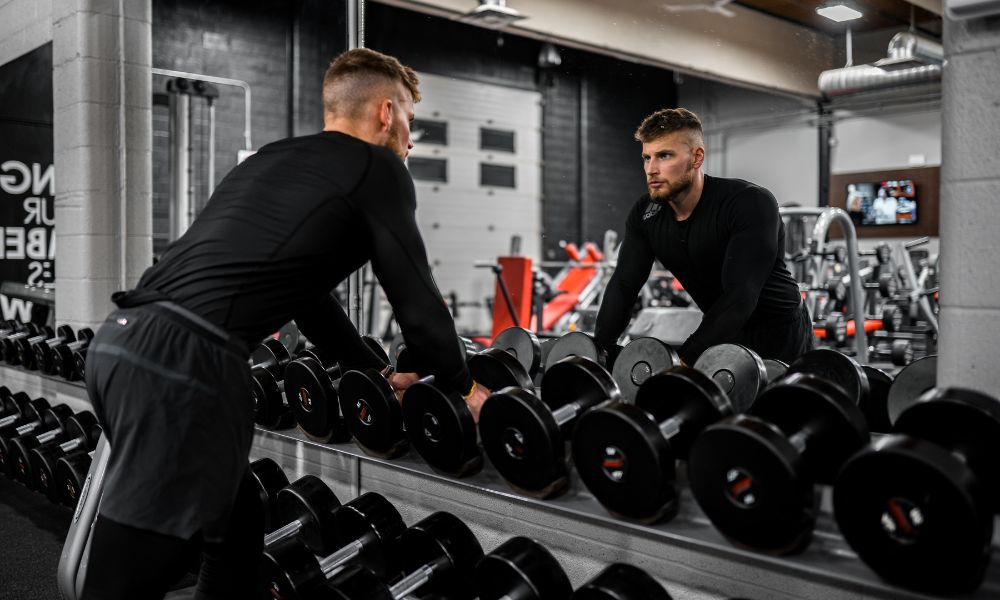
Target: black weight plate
[[876, 409], [901, 352], [353, 583], [71, 471], [776, 369], [687, 395], [268, 477], [575, 343], [270, 354], [314, 401], [892, 318], [578, 380], [835, 426], [440, 427], [916, 514], [291, 338], [375, 522], [497, 369], [372, 413], [521, 568], [80, 364], [289, 569], [626, 462], [443, 539], [638, 361], [524, 442], [523, 345], [836, 329], [546, 347], [738, 370], [753, 485], [311, 502], [268, 401], [43, 464], [620, 581], [910, 383], [964, 421], [837, 368]]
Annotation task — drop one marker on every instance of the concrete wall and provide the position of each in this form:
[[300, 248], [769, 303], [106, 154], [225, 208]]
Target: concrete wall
[[970, 176], [24, 26]]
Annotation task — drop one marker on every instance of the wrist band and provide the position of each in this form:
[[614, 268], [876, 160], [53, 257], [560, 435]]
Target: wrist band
[[471, 392]]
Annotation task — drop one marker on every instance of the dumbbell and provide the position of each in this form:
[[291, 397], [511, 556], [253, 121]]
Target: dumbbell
[[80, 363], [877, 409], [626, 454], [82, 434], [754, 475], [918, 506], [52, 356], [525, 437], [379, 423], [835, 327], [638, 360], [523, 345], [739, 371], [311, 387], [268, 478], [439, 557], [306, 509], [620, 581], [62, 355], [28, 352], [12, 406], [70, 475], [576, 343], [775, 368], [367, 530], [19, 449], [910, 384], [8, 344], [38, 422], [522, 569], [19, 352], [268, 361], [892, 318]]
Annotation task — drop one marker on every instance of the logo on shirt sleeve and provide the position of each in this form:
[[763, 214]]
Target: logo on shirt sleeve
[[651, 211]]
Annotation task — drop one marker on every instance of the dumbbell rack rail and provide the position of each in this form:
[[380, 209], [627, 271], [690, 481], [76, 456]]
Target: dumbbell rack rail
[[686, 554]]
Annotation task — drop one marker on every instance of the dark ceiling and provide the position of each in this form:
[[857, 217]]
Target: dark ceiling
[[878, 14]]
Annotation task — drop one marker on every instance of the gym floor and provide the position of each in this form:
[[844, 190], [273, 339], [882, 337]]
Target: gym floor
[[32, 532]]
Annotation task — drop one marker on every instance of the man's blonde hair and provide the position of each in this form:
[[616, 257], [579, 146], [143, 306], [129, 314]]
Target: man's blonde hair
[[357, 75], [669, 120]]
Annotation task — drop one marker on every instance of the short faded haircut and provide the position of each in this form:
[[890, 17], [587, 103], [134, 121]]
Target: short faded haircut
[[669, 120], [356, 76]]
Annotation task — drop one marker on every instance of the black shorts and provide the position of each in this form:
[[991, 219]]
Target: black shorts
[[783, 338], [172, 393]]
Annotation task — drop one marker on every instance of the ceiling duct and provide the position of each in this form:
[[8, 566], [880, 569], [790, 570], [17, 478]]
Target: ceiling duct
[[911, 59], [493, 14]]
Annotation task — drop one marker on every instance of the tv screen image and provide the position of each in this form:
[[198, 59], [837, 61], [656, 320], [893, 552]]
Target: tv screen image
[[892, 202]]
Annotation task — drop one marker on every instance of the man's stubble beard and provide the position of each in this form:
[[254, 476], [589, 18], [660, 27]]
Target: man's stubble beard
[[670, 195]]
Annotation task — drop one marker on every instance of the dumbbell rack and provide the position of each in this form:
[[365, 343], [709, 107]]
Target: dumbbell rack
[[686, 554]]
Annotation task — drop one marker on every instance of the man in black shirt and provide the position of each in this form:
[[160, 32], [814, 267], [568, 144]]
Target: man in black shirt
[[168, 375], [723, 239]]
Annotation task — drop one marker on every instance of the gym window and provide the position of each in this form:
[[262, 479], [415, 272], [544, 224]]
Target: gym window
[[428, 169], [496, 176], [424, 131], [496, 139]]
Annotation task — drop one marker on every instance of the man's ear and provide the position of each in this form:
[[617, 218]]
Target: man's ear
[[699, 156], [385, 114]]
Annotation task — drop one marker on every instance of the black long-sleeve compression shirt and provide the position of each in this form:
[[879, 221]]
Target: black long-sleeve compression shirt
[[290, 223], [728, 254]]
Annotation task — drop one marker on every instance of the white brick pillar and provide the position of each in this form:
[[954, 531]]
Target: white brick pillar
[[102, 129], [970, 209]]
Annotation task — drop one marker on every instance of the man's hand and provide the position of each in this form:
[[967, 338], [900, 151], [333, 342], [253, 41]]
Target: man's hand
[[400, 382], [475, 401]]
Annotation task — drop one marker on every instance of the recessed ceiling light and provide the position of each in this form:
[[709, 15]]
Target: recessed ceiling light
[[838, 12]]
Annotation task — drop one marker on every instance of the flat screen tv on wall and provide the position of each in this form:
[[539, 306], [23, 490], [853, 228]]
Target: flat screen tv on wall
[[882, 203]]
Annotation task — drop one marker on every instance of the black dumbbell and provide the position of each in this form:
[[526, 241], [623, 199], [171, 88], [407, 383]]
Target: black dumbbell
[[910, 383], [620, 581], [268, 361], [638, 360], [51, 418], [739, 371], [57, 359], [576, 343], [523, 345], [892, 318], [12, 406], [525, 437], [80, 364], [82, 434], [38, 355], [306, 510], [918, 506], [835, 329], [522, 569], [754, 475], [439, 555], [19, 449], [876, 410], [21, 354], [367, 530], [71, 475], [268, 478], [775, 368], [626, 454], [9, 344]]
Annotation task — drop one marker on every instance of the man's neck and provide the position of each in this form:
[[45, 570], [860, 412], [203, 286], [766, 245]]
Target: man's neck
[[348, 127], [685, 204]]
